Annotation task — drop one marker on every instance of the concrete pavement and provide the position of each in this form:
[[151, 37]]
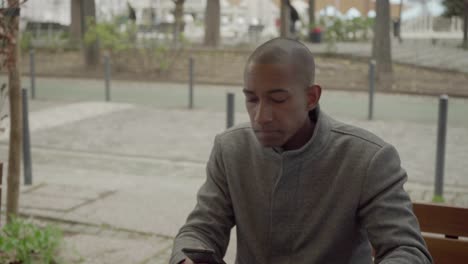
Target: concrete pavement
[[411, 52], [213, 98], [120, 178]]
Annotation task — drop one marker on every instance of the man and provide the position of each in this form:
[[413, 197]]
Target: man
[[131, 13], [293, 18], [299, 186]]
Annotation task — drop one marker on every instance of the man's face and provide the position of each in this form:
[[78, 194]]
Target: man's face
[[277, 104]]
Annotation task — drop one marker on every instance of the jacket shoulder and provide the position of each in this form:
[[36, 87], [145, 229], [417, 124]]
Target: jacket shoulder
[[341, 129], [238, 135]]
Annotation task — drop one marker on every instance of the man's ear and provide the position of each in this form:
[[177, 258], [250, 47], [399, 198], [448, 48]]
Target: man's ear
[[313, 96]]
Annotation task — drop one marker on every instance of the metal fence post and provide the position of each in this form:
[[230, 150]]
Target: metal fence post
[[440, 154], [371, 88], [191, 65], [107, 76], [32, 72], [230, 110], [26, 141]]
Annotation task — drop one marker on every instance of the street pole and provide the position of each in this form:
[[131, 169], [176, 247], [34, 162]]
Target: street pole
[[371, 89], [191, 65], [230, 110], [107, 70], [440, 154], [32, 75], [27, 164]]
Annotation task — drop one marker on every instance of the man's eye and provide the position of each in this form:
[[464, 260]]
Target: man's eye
[[279, 100], [252, 100]]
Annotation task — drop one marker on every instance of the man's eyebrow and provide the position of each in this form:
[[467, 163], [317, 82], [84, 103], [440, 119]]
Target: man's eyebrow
[[274, 91]]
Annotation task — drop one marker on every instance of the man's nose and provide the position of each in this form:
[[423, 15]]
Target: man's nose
[[264, 114]]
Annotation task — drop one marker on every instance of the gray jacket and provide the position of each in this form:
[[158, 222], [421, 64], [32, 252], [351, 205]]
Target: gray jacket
[[322, 203]]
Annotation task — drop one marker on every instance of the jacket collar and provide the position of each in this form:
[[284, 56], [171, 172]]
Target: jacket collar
[[315, 144]]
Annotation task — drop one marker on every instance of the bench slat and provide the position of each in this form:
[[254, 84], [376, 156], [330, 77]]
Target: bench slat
[[447, 251], [442, 219]]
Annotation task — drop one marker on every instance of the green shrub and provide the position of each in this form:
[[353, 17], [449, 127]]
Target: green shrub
[[356, 29], [22, 241], [108, 35], [26, 41], [119, 38], [339, 30]]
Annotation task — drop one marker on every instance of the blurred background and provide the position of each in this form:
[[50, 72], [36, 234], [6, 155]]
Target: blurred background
[[55, 22]]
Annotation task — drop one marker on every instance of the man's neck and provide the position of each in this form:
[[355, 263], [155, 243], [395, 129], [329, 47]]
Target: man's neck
[[302, 136]]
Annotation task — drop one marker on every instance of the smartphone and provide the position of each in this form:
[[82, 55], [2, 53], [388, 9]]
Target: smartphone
[[199, 255]]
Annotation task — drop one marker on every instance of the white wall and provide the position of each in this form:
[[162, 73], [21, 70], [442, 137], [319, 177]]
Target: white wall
[[47, 10]]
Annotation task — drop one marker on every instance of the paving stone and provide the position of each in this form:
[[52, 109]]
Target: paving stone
[[47, 202], [462, 200], [103, 250], [416, 195], [77, 228]]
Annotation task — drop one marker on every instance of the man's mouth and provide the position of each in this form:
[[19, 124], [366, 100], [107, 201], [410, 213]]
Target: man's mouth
[[266, 132]]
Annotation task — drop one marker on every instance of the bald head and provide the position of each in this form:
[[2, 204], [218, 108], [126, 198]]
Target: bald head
[[285, 51]]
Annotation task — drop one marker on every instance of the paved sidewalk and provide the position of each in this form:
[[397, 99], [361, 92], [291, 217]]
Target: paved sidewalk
[[350, 104], [409, 52], [121, 178]]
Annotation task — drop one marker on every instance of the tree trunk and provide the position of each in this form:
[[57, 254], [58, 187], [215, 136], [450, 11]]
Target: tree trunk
[[88, 15], [311, 13], [212, 23], [381, 48], [465, 26], [285, 19], [75, 27], [14, 156], [178, 23]]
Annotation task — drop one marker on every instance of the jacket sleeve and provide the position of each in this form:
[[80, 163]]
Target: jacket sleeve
[[386, 212], [210, 223]]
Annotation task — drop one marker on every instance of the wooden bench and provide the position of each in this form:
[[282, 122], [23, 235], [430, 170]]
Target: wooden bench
[[442, 226]]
